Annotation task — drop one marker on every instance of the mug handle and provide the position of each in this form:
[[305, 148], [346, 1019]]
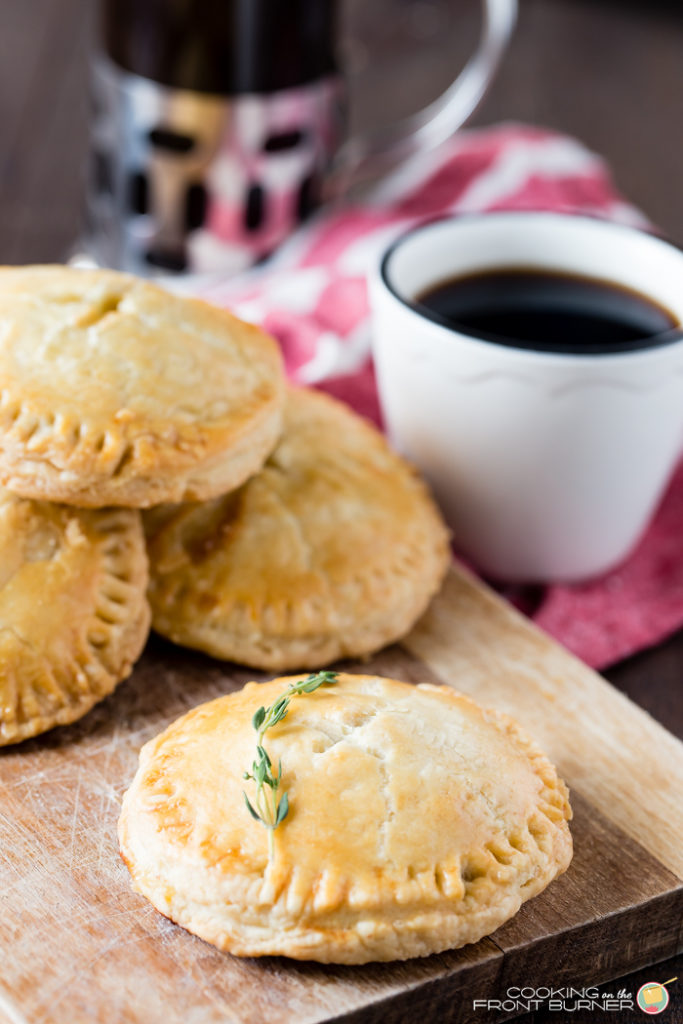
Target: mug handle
[[367, 156]]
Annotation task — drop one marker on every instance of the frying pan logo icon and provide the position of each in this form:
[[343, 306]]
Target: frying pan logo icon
[[653, 996]]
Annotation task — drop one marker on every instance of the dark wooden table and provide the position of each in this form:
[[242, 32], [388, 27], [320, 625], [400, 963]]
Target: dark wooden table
[[609, 72]]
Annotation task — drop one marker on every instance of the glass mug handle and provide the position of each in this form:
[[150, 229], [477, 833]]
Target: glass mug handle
[[366, 156]]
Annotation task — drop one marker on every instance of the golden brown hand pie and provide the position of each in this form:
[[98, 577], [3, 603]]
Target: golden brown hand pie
[[73, 611], [335, 548], [418, 822], [114, 392]]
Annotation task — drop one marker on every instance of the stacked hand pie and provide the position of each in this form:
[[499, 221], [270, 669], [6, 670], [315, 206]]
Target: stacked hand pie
[[285, 534], [112, 393], [333, 550]]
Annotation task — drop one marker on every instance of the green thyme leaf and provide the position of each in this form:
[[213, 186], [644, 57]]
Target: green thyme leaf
[[250, 808], [282, 810], [263, 754], [272, 810]]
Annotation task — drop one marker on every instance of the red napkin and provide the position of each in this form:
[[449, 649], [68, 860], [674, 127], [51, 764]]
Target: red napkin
[[312, 296]]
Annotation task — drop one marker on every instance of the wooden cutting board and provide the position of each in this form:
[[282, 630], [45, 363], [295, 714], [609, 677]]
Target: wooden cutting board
[[77, 945]]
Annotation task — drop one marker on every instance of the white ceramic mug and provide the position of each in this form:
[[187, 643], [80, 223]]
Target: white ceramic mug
[[548, 466]]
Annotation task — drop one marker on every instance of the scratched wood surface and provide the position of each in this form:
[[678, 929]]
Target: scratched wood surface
[[79, 946]]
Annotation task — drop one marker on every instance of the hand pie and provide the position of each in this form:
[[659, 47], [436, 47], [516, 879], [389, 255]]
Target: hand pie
[[334, 549], [114, 392], [73, 612], [417, 822]]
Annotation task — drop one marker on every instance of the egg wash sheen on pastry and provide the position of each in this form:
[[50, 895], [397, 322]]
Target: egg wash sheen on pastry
[[417, 821], [116, 392], [333, 550]]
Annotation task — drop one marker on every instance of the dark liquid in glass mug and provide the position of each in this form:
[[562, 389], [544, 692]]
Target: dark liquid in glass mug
[[214, 125], [227, 47], [549, 311]]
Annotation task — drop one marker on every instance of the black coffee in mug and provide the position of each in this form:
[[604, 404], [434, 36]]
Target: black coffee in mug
[[549, 311]]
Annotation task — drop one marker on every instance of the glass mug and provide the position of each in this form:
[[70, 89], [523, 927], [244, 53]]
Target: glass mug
[[218, 127]]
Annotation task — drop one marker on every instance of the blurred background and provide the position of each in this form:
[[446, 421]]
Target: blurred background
[[607, 71]]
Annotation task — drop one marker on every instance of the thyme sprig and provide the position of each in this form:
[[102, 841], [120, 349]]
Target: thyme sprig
[[271, 807]]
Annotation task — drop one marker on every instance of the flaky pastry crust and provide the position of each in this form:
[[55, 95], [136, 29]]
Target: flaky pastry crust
[[418, 822], [73, 612], [334, 549], [114, 392]]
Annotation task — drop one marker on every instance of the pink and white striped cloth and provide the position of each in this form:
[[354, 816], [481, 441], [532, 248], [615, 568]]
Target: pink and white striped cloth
[[312, 296]]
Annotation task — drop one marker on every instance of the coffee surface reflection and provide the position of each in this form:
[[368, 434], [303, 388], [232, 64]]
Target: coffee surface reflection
[[549, 312]]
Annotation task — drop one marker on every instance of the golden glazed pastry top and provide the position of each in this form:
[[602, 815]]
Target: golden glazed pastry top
[[114, 392], [334, 549], [73, 612], [417, 822]]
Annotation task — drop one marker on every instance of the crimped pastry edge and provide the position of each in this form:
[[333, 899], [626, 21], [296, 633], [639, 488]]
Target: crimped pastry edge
[[399, 934], [61, 459], [41, 479], [275, 653], [112, 661], [400, 593]]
